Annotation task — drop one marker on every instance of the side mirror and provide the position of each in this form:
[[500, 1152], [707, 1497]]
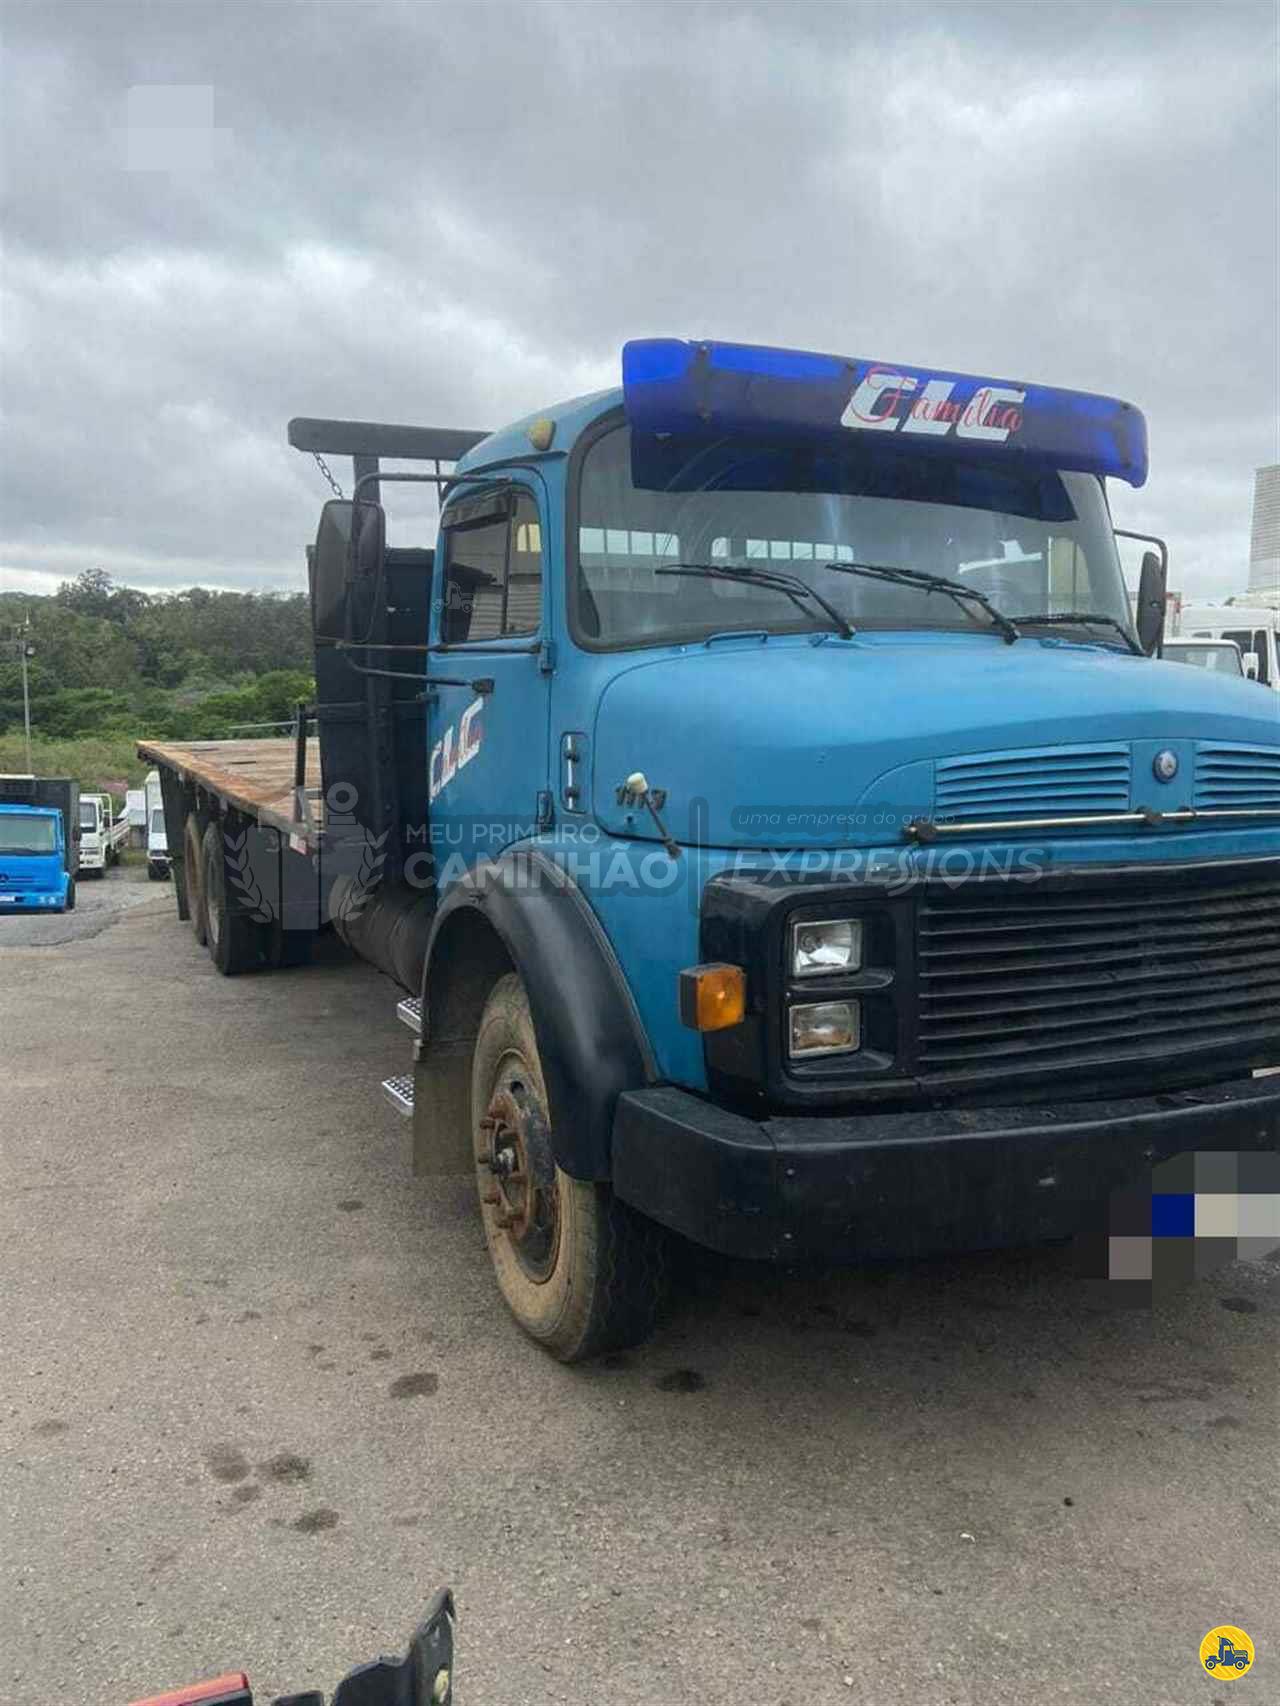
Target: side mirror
[[1152, 587], [345, 566], [1250, 661]]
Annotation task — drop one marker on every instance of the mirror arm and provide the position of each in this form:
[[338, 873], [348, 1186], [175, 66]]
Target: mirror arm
[[440, 646], [481, 684], [1146, 539]]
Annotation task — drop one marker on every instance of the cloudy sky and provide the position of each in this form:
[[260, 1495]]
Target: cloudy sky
[[219, 215]]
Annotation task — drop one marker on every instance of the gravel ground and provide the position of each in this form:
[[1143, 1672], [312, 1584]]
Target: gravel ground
[[260, 1399], [99, 901]]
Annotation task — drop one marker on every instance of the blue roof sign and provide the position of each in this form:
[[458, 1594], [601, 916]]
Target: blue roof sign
[[711, 390]]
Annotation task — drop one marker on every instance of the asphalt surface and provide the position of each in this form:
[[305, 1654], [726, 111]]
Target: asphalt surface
[[260, 1399]]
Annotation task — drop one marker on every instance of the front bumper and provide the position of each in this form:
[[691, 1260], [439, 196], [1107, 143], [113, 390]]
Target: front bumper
[[867, 1186], [31, 900]]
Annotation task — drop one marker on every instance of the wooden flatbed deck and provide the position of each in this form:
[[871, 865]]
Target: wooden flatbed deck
[[254, 775]]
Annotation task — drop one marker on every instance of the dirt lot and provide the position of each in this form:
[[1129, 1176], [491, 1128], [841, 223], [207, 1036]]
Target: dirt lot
[[260, 1399]]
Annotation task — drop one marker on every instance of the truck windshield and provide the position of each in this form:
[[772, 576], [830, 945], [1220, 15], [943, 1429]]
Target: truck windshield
[[27, 835], [1033, 542], [89, 816]]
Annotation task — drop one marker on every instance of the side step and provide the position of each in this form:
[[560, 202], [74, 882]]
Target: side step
[[399, 1092], [409, 1012]]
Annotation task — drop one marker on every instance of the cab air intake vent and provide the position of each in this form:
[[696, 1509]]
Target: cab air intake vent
[[1239, 777], [1050, 781]]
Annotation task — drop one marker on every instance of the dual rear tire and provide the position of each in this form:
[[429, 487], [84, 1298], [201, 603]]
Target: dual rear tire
[[236, 943], [193, 860]]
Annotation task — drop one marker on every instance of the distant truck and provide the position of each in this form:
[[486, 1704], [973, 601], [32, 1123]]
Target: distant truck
[[102, 833], [135, 806], [1254, 627], [1222, 656], [39, 843], [158, 863], [776, 818]]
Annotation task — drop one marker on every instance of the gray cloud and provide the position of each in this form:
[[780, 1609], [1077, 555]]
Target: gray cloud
[[218, 217]]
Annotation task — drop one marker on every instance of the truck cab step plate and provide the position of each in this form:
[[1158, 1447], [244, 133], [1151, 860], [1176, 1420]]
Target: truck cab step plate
[[409, 1012], [399, 1092]]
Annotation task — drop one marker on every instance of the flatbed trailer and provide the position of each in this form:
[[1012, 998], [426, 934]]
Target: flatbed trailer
[[257, 777], [736, 884]]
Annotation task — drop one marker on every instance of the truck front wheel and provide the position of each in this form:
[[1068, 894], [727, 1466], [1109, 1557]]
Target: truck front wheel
[[580, 1271]]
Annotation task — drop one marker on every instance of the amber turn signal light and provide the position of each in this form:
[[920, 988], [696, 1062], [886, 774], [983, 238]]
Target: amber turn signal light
[[712, 997]]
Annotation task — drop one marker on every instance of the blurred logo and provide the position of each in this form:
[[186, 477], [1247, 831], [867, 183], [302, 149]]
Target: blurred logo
[[1226, 1652]]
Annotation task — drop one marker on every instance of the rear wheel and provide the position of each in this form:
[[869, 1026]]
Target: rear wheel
[[580, 1271], [191, 843], [235, 942]]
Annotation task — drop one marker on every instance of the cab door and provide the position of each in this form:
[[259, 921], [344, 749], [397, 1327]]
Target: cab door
[[487, 739]]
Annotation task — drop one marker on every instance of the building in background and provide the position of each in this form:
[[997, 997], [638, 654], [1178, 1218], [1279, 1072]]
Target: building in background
[[1264, 541]]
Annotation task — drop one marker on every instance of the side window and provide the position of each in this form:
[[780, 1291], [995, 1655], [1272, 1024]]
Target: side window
[[493, 568]]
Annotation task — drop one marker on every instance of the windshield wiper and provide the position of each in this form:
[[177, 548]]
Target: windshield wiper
[[930, 583], [794, 588], [1093, 617]]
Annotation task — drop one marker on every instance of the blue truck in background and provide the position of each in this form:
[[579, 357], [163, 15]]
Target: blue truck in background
[[781, 827], [39, 843]]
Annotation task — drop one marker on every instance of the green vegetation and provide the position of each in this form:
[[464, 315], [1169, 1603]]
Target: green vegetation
[[112, 665]]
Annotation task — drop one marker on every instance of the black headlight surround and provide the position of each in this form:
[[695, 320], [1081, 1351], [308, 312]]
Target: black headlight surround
[[747, 919]]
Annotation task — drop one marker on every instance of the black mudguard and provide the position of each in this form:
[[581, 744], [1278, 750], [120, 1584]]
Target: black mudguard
[[589, 1032]]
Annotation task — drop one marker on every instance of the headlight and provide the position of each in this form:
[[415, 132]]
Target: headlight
[[825, 1027], [826, 945]]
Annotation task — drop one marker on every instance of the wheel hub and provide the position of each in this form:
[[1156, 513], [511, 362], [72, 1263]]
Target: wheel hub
[[518, 1175]]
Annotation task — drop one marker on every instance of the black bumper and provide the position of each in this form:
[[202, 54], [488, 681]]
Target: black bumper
[[867, 1186]]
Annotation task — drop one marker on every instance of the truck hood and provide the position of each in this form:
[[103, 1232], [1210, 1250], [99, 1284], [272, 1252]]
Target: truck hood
[[787, 743]]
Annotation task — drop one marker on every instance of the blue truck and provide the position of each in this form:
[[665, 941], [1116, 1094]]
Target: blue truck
[[39, 843], [776, 816]]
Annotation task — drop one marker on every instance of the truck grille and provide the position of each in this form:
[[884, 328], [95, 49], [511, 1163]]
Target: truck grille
[[1242, 777], [1056, 981], [1053, 781]]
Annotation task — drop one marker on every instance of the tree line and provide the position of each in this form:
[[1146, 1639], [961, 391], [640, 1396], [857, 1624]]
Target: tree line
[[111, 661]]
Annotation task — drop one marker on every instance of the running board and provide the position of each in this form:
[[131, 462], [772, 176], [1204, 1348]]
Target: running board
[[409, 1012], [399, 1092]]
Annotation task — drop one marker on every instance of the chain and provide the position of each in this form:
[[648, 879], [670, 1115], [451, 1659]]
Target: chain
[[323, 466]]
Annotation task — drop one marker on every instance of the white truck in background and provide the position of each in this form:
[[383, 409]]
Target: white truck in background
[[1252, 620], [157, 840], [102, 834], [135, 809], [1223, 657]]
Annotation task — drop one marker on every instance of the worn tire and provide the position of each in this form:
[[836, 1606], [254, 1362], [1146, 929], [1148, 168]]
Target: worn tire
[[606, 1267], [235, 942], [193, 855]]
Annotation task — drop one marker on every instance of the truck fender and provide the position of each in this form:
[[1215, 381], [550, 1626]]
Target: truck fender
[[522, 912]]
